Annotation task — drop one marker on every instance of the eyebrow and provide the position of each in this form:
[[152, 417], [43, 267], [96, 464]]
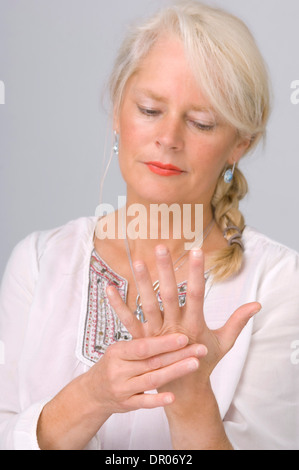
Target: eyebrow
[[150, 94]]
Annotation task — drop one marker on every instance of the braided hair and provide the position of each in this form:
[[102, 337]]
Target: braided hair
[[230, 220]]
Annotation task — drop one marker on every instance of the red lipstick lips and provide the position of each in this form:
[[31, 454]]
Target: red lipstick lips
[[164, 169]]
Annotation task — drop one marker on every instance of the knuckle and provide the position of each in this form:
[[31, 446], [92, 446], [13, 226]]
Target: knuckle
[[170, 296], [111, 380], [195, 293], [149, 307], [154, 363], [140, 272], [129, 321], [117, 392], [112, 351], [151, 381], [115, 383], [141, 350]]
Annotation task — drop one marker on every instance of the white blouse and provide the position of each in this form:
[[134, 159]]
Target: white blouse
[[48, 337]]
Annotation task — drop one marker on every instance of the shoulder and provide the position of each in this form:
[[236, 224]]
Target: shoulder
[[66, 244], [270, 267], [264, 251], [80, 229]]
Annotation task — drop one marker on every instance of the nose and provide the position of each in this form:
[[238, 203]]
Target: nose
[[170, 134]]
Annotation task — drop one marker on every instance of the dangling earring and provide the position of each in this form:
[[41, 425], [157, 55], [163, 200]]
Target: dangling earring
[[116, 144], [229, 174]]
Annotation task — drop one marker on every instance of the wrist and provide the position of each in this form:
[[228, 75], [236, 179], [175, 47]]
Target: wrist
[[198, 397], [196, 422], [91, 400], [71, 419]]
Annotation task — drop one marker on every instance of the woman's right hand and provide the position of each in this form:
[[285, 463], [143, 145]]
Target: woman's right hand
[[116, 384], [128, 369]]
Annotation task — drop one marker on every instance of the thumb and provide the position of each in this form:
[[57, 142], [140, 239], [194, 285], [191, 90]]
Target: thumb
[[228, 334]]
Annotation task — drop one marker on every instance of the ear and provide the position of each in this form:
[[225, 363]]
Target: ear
[[239, 150], [116, 119]]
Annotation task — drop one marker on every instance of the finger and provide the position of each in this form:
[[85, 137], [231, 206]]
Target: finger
[[150, 400], [168, 286], [229, 333], [144, 348], [163, 360], [128, 319], [149, 301], [195, 292], [155, 379]]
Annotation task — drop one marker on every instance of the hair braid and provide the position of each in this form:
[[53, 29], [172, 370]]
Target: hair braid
[[225, 204]]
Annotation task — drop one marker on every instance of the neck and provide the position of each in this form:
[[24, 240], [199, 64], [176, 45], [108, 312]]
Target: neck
[[177, 226]]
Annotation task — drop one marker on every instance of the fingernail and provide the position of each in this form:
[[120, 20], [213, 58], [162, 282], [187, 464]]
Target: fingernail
[[256, 312], [193, 364], [161, 250], [138, 267], [168, 399], [183, 340], [110, 291], [201, 351], [197, 253]]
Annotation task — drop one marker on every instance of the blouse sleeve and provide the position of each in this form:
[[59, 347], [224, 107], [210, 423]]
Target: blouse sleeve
[[264, 414], [17, 429]]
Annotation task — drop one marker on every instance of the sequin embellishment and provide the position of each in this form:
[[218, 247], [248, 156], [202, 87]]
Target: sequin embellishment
[[102, 326]]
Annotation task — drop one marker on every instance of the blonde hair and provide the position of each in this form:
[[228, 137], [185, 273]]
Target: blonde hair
[[231, 72]]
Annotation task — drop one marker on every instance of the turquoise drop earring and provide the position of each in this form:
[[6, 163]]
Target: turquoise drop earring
[[116, 144], [229, 174]]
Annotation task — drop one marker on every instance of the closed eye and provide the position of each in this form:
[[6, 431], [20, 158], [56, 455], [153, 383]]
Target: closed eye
[[148, 111], [202, 127]]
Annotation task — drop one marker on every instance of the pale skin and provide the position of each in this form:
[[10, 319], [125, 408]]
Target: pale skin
[[163, 117]]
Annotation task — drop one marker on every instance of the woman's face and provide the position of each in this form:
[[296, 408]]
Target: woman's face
[[164, 122]]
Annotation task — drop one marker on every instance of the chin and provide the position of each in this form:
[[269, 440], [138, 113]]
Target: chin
[[154, 195]]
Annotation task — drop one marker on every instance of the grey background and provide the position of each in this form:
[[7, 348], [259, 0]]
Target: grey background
[[55, 58]]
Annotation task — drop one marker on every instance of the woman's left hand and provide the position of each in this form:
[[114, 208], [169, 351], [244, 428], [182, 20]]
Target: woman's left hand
[[194, 418], [188, 320]]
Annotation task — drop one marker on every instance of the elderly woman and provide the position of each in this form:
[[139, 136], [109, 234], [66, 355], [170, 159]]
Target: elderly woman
[[122, 343]]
